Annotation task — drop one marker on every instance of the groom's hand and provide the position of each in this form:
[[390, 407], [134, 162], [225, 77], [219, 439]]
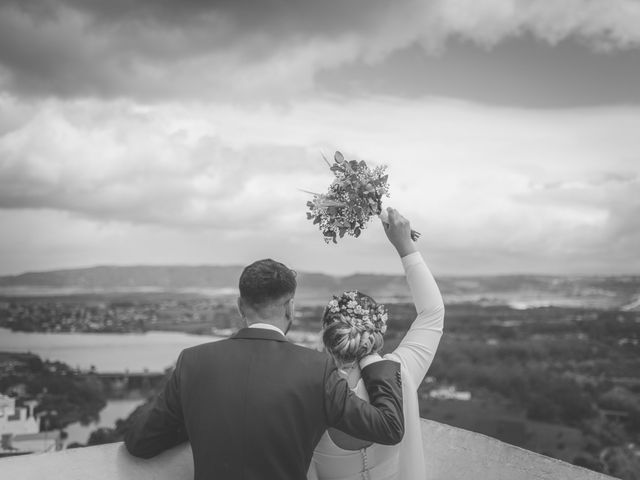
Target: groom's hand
[[398, 231]]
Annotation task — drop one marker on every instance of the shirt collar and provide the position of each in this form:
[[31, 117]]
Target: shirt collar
[[266, 326]]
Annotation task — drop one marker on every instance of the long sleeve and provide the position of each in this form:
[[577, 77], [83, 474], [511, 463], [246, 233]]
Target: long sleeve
[[419, 345], [161, 425], [312, 473], [380, 420]]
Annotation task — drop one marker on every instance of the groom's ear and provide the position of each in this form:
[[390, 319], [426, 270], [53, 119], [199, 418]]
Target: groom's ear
[[240, 305], [290, 309]]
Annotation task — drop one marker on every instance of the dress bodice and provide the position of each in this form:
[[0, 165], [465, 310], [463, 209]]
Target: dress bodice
[[377, 462]]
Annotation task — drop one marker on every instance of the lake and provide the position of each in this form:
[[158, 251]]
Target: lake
[[107, 352], [114, 410]]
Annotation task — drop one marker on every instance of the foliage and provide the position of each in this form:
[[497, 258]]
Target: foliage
[[110, 435], [64, 396], [102, 436], [622, 462], [590, 462]]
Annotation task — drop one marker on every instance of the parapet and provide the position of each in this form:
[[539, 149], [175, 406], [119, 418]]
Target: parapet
[[451, 454]]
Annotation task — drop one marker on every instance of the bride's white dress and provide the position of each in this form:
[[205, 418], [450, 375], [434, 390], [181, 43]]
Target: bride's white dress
[[415, 353]]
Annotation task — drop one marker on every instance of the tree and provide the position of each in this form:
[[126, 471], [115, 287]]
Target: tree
[[102, 436], [542, 409], [589, 462]]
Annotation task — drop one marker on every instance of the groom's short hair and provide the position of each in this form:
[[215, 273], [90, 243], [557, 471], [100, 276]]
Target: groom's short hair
[[266, 281]]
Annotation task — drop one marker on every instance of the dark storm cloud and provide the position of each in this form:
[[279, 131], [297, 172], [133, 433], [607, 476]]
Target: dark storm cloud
[[520, 72], [238, 50], [148, 48]]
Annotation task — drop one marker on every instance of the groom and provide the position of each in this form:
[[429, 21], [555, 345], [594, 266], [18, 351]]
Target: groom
[[254, 406]]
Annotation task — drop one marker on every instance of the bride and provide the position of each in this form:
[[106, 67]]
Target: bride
[[352, 327]]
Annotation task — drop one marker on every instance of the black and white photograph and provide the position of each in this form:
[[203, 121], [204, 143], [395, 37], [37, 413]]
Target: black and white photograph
[[320, 240]]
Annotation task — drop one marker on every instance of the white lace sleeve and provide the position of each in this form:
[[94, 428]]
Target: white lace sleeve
[[419, 345]]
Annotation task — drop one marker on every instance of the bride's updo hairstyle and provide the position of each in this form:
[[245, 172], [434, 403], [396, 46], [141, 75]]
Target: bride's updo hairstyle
[[353, 326]]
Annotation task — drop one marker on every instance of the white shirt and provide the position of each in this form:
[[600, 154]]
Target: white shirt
[[266, 326]]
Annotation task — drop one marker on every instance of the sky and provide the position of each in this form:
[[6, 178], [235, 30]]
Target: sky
[[158, 132]]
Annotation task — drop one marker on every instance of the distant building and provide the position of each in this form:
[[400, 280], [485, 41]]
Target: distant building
[[449, 393], [20, 431], [615, 415], [17, 420], [223, 332], [31, 443], [627, 381]]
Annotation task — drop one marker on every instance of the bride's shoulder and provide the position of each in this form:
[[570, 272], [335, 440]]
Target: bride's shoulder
[[393, 357]]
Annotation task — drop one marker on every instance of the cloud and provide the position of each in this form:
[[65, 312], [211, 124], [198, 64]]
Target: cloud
[[603, 24], [130, 123], [117, 163], [547, 190], [249, 50]]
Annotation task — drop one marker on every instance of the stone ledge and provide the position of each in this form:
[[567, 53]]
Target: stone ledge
[[451, 454], [456, 454]]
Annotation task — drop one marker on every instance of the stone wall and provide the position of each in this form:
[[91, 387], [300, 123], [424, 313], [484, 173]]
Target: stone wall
[[451, 453]]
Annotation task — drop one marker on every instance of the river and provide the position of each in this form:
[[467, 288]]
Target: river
[[107, 352], [114, 410]]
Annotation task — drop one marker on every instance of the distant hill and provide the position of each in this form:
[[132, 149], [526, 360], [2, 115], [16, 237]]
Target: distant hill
[[106, 277], [519, 291]]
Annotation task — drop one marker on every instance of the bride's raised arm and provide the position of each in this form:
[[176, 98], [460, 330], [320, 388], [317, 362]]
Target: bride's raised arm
[[419, 345]]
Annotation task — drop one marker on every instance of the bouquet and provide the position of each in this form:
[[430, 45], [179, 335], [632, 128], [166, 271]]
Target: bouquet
[[354, 196]]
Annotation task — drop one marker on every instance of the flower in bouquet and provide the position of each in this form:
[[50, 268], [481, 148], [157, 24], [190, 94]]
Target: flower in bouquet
[[354, 196]]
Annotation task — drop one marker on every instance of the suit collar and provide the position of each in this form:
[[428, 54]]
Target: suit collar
[[266, 326], [260, 334]]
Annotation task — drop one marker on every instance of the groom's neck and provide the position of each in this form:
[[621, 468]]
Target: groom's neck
[[275, 320], [282, 324], [278, 314]]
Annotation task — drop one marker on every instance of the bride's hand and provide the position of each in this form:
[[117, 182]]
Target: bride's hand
[[398, 230]]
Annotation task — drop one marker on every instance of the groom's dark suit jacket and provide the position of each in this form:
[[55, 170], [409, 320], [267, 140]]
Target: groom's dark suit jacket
[[254, 406]]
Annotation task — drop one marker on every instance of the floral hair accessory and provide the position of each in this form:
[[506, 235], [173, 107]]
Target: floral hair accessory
[[354, 196], [357, 315]]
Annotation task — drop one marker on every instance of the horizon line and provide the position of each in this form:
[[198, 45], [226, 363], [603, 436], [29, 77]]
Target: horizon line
[[209, 265]]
